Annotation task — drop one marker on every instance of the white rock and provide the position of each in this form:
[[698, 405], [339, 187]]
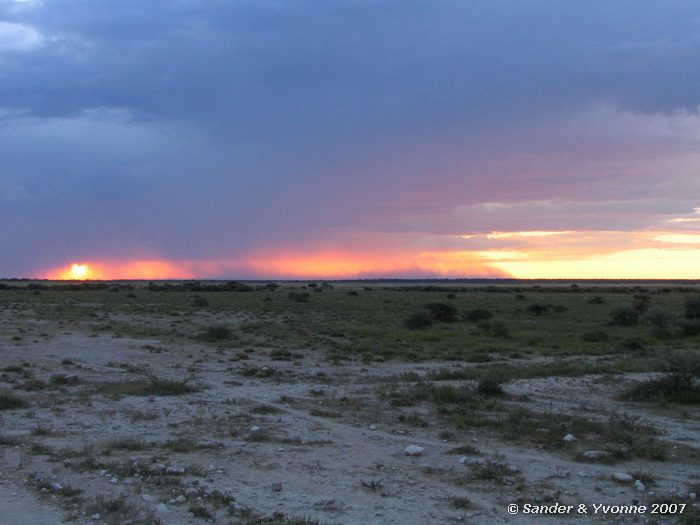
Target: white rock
[[114, 480], [639, 485], [569, 438], [147, 497], [180, 500], [596, 454], [56, 486], [96, 516], [157, 468], [255, 429], [373, 427], [175, 470], [463, 459], [623, 477], [413, 450], [103, 473]]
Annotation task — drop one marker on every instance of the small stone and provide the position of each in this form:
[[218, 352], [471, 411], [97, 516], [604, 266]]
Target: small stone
[[176, 470], [157, 468], [179, 500], [255, 429], [162, 508], [114, 480], [463, 459], [147, 497], [103, 472], [373, 427], [191, 492], [413, 450], [639, 485], [56, 487], [277, 487], [569, 438], [96, 516], [622, 477], [596, 454]]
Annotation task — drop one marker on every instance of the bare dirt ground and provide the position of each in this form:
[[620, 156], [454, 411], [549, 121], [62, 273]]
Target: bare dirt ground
[[303, 438]]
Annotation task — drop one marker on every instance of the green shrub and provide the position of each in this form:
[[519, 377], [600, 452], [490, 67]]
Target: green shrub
[[633, 344], [692, 308], [538, 308], [641, 303], [595, 336], [490, 385], [9, 401], [682, 368], [623, 316], [200, 302], [478, 314], [662, 323], [443, 312], [689, 327], [494, 328], [419, 320], [299, 297], [216, 334]]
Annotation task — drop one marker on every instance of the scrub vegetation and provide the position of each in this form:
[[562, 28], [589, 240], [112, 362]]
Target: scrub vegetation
[[201, 402]]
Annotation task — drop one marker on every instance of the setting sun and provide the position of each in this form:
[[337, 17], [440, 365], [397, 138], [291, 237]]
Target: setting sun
[[79, 271]]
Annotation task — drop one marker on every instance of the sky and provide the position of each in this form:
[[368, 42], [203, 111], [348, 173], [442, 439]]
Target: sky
[[269, 139]]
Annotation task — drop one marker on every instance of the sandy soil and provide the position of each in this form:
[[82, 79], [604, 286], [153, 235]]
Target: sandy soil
[[310, 439]]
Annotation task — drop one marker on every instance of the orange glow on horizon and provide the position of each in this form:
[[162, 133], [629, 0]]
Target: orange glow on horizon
[[120, 270], [290, 266], [526, 255]]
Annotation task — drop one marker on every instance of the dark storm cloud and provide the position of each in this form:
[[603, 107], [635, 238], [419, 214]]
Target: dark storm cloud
[[196, 128]]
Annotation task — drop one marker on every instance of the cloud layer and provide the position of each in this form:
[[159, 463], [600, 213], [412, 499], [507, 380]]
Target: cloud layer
[[351, 137]]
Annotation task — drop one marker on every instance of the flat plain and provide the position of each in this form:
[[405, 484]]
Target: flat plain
[[348, 403]]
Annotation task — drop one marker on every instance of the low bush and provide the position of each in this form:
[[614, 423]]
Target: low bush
[[216, 334], [623, 316], [478, 314], [538, 308], [443, 312], [595, 336], [9, 401], [299, 297], [692, 308], [662, 323], [494, 328], [491, 385], [419, 320], [678, 385]]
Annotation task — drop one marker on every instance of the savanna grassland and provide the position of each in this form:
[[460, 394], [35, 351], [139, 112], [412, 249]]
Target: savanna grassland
[[347, 403]]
